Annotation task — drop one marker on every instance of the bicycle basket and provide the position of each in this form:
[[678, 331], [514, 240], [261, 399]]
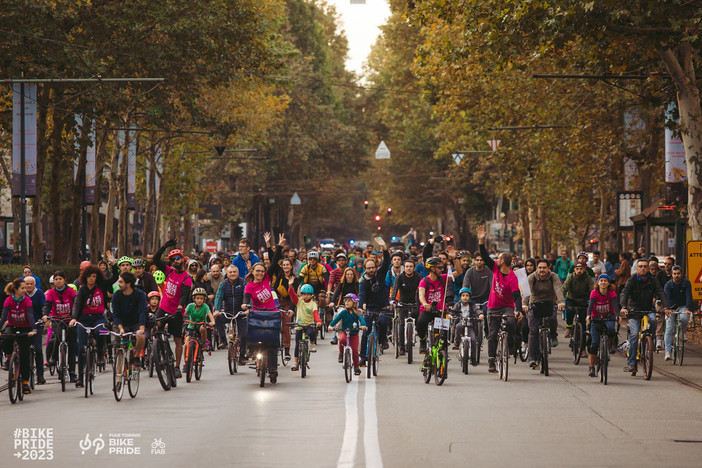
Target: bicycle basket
[[264, 328], [542, 309]]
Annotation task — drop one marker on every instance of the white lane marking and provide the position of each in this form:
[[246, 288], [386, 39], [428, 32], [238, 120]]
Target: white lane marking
[[347, 457], [371, 445]]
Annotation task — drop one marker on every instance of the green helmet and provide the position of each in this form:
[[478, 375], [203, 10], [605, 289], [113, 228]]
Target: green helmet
[[73, 286], [115, 288], [199, 292], [125, 260], [159, 276]]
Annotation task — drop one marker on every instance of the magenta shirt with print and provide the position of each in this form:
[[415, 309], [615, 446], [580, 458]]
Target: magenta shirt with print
[[502, 289], [261, 294], [62, 302], [95, 304], [603, 304], [171, 289], [18, 313], [434, 290]]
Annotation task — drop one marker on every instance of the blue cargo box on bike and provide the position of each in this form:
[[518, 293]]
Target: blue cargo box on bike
[[264, 328]]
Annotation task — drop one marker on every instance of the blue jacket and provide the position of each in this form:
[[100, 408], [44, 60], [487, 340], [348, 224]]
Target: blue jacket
[[349, 320], [373, 291], [230, 296], [240, 263], [679, 295]]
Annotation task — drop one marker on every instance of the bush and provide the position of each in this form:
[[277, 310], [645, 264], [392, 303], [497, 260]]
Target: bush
[[44, 272]]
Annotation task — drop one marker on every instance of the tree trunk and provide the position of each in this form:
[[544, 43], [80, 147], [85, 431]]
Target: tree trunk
[[37, 211], [149, 209], [108, 241], [100, 158], [122, 227], [681, 68]]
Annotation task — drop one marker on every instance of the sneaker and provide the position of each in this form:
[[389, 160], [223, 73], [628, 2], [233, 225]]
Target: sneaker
[[525, 347], [659, 343], [72, 378], [362, 363], [569, 332], [50, 363], [242, 361], [554, 342], [287, 355], [79, 381], [491, 366], [334, 341], [592, 372], [631, 369], [455, 346], [177, 373], [532, 364], [223, 345], [685, 336], [667, 356], [313, 348], [402, 351], [385, 345], [185, 368], [26, 389], [357, 371], [422, 346], [41, 380], [6, 365], [294, 368], [341, 357]]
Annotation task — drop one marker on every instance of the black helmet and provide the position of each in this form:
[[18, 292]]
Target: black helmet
[[138, 262], [432, 262]]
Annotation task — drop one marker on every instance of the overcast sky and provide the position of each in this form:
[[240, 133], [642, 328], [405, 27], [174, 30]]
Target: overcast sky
[[361, 25]]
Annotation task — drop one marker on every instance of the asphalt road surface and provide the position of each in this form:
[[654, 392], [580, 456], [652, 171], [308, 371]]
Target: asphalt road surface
[[394, 420]]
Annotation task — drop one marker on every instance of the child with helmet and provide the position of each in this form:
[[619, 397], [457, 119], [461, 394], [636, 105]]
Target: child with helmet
[[352, 320], [307, 318], [465, 307], [198, 311]]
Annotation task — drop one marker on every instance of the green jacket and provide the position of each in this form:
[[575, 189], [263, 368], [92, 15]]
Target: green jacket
[[577, 290]]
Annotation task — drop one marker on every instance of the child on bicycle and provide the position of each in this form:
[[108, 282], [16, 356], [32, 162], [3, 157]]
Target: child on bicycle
[[466, 308], [351, 319], [198, 311], [307, 318]]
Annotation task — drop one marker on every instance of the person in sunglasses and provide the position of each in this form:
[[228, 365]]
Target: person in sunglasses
[[27, 271]]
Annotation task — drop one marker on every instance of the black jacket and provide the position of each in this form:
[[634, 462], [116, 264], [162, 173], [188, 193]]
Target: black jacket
[[639, 295]]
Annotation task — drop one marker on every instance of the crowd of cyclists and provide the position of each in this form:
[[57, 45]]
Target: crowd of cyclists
[[348, 287]]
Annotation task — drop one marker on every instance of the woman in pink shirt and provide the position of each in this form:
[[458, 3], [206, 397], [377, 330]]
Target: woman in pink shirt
[[259, 296], [603, 305]]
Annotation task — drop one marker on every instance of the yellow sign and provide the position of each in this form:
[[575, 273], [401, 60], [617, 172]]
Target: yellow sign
[[694, 268]]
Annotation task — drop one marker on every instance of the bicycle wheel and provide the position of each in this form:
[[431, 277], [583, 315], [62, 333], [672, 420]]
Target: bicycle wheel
[[263, 367], [200, 359], [376, 360], [62, 365], [498, 356], [427, 367], [604, 358], [464, 354], [133, 378], [32, 367], [302, 360], [118, 373], [543, 340], [479, 347], [396, 337], [577, 342], [190, 356], [505, 357], [14, 381], [647, 356], [50, 352], [370, 352], [86, 371], [162, 368], [171, 366], [441, 371], [231, 358], [348, 365], [409, 341], [679, 346]]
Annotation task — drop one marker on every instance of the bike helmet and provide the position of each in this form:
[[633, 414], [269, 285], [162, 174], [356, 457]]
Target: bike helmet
[[159, 276], [352, 296], [175, 252], [51, 279], [74, 287], [125, 260], [462, 254], [84, 264], [306, 289], [582, 254], [138, 262], [432, 262], [154, 294], [115, 288], [465, 290], [199, 292], [312, 254]]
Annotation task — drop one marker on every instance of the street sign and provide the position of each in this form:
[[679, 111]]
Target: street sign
[[494, 144], [694, 268], [458, 157], [220, 150], [295, 199], [629, 204], [382, 152]]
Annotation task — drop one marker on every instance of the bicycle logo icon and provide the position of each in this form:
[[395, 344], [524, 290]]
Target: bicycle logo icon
[[86, 444]]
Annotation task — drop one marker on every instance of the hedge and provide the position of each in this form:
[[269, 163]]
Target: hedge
[[44, 272]]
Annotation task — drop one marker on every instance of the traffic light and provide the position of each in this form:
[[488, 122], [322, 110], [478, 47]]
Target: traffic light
[[365, 204], [389, 211], [377, 218], [379, 228]]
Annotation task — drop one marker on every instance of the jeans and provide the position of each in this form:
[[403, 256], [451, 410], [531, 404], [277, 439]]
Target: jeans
[[382, 323], [353, 344], [91, 320], [570, 313], [495, 319], [634, 327], [402, 316], [52, 349], [38, 350], [534, 324], [595, 335], [23, 343], [669, 326]]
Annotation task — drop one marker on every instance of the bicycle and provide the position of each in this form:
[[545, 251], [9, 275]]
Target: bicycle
[[602, 360], [373, 350], [409, 332], [436, 359], [14, 378], [481, 331], [303, 349], [264, 333], [502, 355], [465, 347], [194, 355], [60, 365], [90, 357], [233, 342], [678, 348], [124, 366], [577, 339], [347, 354], [162, 355], [645, 350]]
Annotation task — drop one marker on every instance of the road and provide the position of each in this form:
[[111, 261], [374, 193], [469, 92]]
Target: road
[[395, 420]]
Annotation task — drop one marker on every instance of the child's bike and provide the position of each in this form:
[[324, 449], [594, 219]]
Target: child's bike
[[436, 359]]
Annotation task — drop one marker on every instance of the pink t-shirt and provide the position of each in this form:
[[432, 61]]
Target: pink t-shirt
[[95, 303], [603, 304], [62, 301], [434, 290], [171, 289], [502, 289], [261, 294], [18, 313]]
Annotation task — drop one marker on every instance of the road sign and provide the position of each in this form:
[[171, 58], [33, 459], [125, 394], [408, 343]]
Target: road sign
[[494, 144], [382, 152], [694, 268], [295, 199], [458, 157]]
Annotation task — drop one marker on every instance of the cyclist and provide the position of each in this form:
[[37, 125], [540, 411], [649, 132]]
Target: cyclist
[[129, 310], [18, 312], [406, 286], [258, 295], [154, 299], [395, 269], [577, 288], [215, 276], [175, 296], [504, 298], [38, 299], [596, 264], [88, 309], [603, 304], [431, 291], [314, 273], [545, 286], [119, 266], [351, 319], [373, 296], [229, 298], [461, 265], [307, 318], [348, 285], [245, 258], [463, 308], [199, 311], [638, 294], [478, 279], [679, 293], [144, 280], [335, 278], [58, 305], [582, 258]]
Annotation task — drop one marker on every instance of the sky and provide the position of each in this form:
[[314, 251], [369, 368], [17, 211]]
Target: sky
[[361, 22]]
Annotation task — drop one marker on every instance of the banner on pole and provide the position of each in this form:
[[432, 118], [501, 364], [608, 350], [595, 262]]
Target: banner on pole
[[30, 140], [675, 164], [131, 170]]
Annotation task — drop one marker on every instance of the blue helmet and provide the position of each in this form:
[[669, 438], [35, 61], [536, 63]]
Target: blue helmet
[[306, 289], [465, 290]]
